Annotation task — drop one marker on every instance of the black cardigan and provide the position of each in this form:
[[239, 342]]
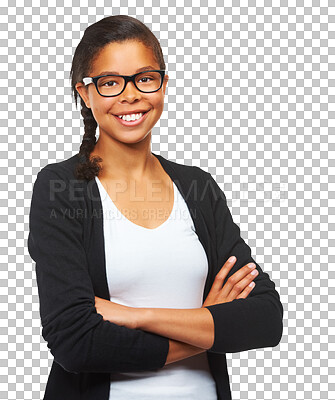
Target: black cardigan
[[66, 241]]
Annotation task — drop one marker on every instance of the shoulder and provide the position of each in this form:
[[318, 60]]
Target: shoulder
[[56, 182], [183, 170], [195, 183], [64, 169]]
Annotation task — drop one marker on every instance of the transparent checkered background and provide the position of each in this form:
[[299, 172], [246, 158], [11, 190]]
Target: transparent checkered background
[[251, 100]]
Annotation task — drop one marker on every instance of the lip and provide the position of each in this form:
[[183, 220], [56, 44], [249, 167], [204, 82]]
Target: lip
[[132, 123], [134, 112]]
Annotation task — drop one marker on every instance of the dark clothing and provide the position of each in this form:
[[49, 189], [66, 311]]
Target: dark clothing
[[66, 241]]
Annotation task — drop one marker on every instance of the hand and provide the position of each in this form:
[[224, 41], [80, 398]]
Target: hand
[[117, 313], [236, 287]]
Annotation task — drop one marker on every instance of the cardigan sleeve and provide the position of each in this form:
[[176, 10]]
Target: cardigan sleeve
[[77, 336], [242, 324]]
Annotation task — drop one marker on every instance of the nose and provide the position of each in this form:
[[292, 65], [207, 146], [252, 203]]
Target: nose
[[130, 93]]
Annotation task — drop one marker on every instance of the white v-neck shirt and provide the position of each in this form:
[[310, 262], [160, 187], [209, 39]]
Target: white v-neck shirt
[[164, 267]]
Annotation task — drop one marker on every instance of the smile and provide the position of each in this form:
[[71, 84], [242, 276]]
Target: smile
[[131, 120]]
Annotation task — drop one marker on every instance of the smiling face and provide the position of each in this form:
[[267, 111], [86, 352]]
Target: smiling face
[[125, 58]]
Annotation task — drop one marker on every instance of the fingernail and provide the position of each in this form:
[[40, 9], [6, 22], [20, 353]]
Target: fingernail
[[251, 265], [254, 272], [232, 259]]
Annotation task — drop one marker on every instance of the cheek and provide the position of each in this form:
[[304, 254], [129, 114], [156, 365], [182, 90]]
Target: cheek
[[100, 108], [158, 102]]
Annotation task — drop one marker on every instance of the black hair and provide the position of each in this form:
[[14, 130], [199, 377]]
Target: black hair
[[116, 28]]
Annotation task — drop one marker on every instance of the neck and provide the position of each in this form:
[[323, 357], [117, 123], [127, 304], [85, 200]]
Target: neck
[[125, 160]]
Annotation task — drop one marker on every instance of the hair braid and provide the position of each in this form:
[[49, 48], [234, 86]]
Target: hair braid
[[88, 168]]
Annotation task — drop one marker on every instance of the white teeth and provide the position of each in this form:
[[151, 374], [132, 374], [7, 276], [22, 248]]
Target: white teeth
[[131, 117]]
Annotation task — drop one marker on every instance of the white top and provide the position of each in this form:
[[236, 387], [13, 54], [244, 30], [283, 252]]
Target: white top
[[164, 267]]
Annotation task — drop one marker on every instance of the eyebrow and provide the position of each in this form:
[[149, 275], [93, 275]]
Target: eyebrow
[[148, 67]]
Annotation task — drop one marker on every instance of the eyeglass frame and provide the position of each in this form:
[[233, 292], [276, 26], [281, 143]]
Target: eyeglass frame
[[127, 78]]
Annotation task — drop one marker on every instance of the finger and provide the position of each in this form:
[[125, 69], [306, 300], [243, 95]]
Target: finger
[[222, 274], [246, 291], [227, 266], [235, 279], [240, 286]]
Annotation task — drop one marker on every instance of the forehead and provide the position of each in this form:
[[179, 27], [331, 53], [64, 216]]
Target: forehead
[[123, 58]]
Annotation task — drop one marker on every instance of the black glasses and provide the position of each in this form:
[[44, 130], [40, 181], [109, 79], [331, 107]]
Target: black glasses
[[113, 85]]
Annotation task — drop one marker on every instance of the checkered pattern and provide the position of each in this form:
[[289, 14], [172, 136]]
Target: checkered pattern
[[251, 100]]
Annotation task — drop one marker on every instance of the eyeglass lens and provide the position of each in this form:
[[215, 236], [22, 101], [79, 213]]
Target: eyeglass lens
[[113, 85]]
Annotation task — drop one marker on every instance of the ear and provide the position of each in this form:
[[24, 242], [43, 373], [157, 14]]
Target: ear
[[83, 93], [166, 78]]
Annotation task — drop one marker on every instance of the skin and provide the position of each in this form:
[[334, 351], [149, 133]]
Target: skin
[[126, 155]]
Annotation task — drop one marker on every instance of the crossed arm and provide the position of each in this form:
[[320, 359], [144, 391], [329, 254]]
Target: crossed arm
[[191, 331], [193, 326]]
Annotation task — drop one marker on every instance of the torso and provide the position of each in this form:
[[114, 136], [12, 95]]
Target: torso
[[148, 203]]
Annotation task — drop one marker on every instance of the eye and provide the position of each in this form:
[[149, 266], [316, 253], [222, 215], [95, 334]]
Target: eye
[[145, 77], [108, 83]]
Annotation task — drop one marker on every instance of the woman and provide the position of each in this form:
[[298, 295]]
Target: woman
[[144, 281]]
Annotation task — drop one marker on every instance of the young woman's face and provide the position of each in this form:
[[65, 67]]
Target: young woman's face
[[124, 59]]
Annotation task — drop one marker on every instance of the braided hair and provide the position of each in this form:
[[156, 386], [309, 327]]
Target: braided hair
[[117, 28], [88, 168]]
